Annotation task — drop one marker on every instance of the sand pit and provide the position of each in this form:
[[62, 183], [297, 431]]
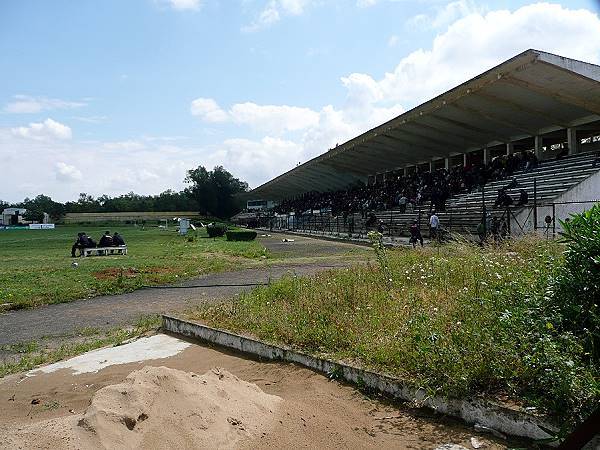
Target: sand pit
[[159, 407]]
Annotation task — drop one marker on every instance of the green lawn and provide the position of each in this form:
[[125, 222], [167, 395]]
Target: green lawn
[[35, 265]]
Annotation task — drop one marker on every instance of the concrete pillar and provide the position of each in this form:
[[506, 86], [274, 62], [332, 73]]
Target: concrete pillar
[[447, 163], [538, 146], [572, 141], [510, 148], [486, 156], [465, 160], [405, 171], [431, 166]]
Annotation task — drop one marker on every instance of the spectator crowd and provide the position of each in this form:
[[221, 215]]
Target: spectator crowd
[[419, 188]]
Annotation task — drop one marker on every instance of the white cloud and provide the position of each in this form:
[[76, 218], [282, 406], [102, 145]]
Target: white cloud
[[255, 161], [492, 38], [91, 119], [182, 5], [274, 10], [208, 110], [446, 14], [393, 40], [43, 131], [25, 104], [365, 3], [272, 119], [66, 173], [129, 145]]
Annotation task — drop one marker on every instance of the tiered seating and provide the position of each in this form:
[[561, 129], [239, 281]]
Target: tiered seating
[[464, 212]]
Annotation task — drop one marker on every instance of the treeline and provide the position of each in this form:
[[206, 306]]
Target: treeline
[[211, 193]]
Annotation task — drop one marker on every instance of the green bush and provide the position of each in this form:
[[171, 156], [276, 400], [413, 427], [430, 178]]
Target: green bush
[[577, 288], [241, 235], [216, 230]]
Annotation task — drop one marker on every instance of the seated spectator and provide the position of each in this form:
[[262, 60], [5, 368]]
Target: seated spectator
[[523, 197], [118, 240], [106, 240], [81, 242], [563, 153], [513, 184]]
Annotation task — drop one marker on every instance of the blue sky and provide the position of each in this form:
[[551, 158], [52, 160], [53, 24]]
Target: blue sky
[[155, 87]]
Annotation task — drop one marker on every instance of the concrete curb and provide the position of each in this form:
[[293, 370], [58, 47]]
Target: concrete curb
[[472, 411]]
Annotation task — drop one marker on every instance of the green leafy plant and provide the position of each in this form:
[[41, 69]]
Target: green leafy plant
[[216, 230], [241, 235]]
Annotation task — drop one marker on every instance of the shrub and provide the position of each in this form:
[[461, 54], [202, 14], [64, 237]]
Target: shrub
[[241, 235], [576, 291], [216, 230]]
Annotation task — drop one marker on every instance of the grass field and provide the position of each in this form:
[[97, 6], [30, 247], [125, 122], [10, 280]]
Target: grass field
[[456, 320], [35, 265]]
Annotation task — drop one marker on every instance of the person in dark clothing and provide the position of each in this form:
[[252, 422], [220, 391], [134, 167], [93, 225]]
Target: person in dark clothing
[[513, 184], [371, 221], [523, 197], [563, 153], [106, 240], [415, 234], [81, 243], [118, 240]]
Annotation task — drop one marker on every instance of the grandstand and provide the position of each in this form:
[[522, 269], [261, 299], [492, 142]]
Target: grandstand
[[530, 124]]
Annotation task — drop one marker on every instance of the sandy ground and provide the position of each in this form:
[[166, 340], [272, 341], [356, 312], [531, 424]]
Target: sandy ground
[[312, 412]]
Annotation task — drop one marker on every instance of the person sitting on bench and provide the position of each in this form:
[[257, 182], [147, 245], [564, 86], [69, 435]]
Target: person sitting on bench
[[106, 240], [118, 240], [81, 243]]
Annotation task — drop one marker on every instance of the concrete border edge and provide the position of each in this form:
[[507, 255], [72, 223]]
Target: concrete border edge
[[471, 411]]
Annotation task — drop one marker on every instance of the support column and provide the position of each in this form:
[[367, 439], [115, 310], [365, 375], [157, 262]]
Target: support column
[[430, 166], [538, 146], [572, 141], [510, 148], [405, 171], [447, 163], [486, 156], [465, 160]]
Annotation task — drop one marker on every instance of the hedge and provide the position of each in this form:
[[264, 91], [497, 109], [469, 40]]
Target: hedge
[[241, 235], [216, 230]]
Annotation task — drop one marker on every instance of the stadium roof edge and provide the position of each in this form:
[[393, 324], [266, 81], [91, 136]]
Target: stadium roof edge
[[534, 92]]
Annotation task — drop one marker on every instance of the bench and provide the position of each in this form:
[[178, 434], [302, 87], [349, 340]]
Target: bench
[[103, 251]]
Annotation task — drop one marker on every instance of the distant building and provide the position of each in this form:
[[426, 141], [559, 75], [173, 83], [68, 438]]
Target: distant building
[[12, 216]]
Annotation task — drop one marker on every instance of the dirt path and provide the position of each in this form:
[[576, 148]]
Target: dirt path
[[314, 412], [64, 319]]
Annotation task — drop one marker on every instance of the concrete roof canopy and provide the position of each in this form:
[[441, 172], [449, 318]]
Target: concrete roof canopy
[[531, 94]]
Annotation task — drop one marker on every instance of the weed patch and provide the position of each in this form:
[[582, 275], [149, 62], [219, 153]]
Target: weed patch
[[456, 320]]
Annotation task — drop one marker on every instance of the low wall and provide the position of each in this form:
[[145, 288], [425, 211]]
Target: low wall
[[472, 411]]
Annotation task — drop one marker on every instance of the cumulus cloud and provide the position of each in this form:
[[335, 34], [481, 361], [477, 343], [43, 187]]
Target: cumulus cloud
[[43, 131], [25, 104], [492, 38], [208, 110], [66, 173], [274, 10], [446, 14], [182, 5], [129, 145]]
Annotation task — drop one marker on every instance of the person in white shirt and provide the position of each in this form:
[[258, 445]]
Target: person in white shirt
[[434, 225]]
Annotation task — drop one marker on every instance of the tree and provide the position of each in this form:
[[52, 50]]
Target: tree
[[215, 191], [42, 204], [4, 205]]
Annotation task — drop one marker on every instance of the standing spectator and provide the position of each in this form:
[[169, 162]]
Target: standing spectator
[[402, 203], [434, 225], [415, 234]]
